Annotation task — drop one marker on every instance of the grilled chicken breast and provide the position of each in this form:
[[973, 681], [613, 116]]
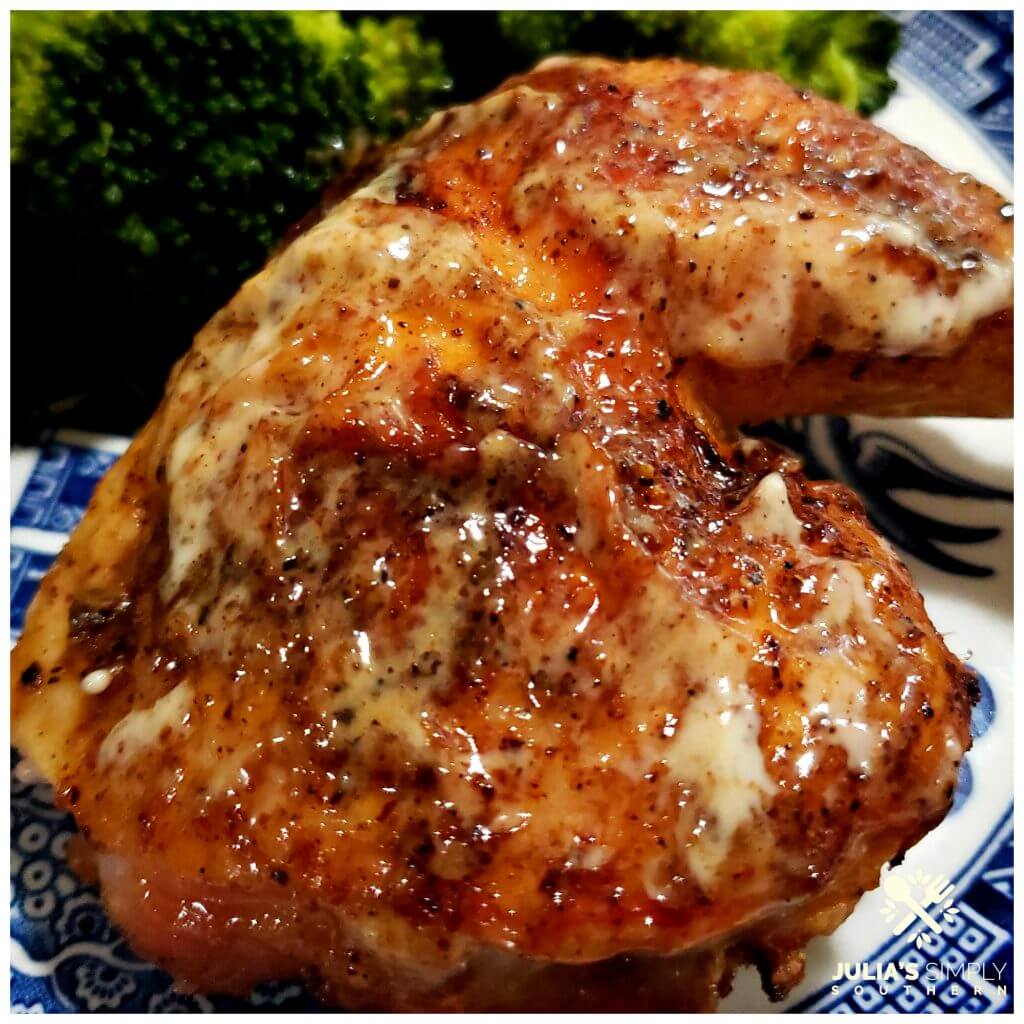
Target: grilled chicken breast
[[439, 641]]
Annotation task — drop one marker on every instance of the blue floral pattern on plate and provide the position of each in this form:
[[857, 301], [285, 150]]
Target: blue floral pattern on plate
[[65, 954]]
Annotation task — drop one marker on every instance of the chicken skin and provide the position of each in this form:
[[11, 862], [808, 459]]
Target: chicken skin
[[440, 642]]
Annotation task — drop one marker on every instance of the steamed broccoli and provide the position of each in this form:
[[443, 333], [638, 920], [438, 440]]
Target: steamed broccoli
[[31, 33], [843, 55], [157, 157], [404, 74]]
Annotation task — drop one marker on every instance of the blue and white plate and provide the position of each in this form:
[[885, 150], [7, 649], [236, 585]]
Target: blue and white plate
[[940, 489]]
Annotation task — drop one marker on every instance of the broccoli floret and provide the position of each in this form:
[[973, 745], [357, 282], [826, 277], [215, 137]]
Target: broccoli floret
[[757, 39], [851, 59], [535, 34], [159, 156], [32, 32], [843, 55], [404, 73]]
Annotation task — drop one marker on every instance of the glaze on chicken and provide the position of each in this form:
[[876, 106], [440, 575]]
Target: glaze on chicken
[[440, 643]]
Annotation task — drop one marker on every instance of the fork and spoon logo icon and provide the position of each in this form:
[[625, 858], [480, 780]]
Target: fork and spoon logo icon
[[925, 900]]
